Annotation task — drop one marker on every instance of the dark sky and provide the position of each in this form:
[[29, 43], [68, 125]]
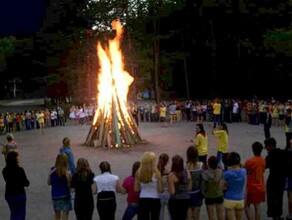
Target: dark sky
[[21, 17]]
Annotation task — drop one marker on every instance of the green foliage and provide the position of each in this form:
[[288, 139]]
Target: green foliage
[[278, 35], [6, 49], [6, 46], [280, 40]]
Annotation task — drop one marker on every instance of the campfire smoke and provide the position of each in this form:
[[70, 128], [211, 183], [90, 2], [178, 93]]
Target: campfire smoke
[[113, 124]]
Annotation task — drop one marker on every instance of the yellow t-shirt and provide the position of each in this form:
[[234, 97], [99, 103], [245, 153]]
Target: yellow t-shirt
[[222, 140], [162, 112], [216, 108], [41, 117], [202, 144]]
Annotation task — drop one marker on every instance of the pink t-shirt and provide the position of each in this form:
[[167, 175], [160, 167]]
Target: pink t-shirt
[[128, 184]]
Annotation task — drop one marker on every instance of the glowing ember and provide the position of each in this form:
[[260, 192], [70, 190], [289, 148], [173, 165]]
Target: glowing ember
[[113, 122]]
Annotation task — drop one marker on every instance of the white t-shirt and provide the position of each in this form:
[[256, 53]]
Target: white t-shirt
[[106, 182], [149, 190]]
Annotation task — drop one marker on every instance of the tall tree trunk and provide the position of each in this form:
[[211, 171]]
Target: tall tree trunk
[[185, 67], [156, 29], [156, 69]]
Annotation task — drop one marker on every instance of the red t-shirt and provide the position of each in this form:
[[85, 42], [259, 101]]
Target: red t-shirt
[[255, 167], [128, 184]]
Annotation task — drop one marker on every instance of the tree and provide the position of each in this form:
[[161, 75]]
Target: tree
[[6, 49]]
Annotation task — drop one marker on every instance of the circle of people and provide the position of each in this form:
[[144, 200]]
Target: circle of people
[[228, 187]]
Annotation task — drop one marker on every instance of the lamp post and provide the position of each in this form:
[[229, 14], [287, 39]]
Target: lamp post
[[15, 81]]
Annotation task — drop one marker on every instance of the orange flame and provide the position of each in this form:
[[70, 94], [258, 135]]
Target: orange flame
[[114, 80]]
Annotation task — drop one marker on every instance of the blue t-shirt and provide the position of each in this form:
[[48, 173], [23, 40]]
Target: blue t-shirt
[[60, 187], [235, 184], [70, 156]]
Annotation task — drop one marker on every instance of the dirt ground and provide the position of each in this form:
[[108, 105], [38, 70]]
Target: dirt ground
[[38, 153]]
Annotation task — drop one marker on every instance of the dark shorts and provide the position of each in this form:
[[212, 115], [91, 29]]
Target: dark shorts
[[162, 119], [196, 199], [212, 201]]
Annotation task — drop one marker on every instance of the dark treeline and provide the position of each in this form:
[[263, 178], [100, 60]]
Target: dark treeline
[[177, 49]]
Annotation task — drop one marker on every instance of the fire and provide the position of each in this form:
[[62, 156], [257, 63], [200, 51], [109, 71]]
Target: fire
[[113, 124], [114, 80]]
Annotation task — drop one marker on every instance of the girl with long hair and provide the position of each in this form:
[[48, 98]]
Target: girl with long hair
[[180, 183], [201, 143], [148, 181], [59, 179], [82, 181]]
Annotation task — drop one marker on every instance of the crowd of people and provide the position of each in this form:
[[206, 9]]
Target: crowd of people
[[31, 119], [167, 186], [163, 187], [167, 113]]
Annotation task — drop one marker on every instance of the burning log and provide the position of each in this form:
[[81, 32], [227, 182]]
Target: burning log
[[113, 124]]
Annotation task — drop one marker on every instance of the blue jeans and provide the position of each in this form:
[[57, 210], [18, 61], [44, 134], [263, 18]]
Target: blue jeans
[[216, 120], [219, 157], [17, 206], [164, 204], [131, 211]]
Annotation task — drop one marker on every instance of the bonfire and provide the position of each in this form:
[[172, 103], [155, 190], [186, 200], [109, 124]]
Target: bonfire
[[113, 124]]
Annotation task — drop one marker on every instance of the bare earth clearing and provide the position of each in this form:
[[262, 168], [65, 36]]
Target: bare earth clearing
[[38, 153]]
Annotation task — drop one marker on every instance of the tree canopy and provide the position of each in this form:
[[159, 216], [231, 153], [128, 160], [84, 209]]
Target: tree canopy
[[172, 48]]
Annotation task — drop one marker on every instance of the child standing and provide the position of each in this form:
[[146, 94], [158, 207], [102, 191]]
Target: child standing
[[164, 195], [255, 187], [212, 189], [81, 184], [195, 169], [133, 197]]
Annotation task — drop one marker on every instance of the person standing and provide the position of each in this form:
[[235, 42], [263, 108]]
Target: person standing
[[288, 127], [234, 182], [41, 121], [201, 143], [195, 169], [235, 111], [133, 197], [164, 195], [106, 185], [68, 151], [162, 114], [134, 112], [267, 121], [276, 163], [216, 112], [255, 187], [16, 181], [222, 136], [11, 145], [148, 181], [289, 181], [180, 183], [212, 189], [82, 181], [59, 179]]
